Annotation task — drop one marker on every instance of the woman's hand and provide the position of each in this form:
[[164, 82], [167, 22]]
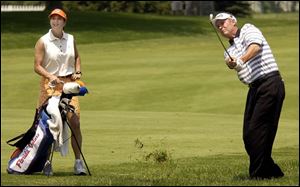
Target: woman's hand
[[76, 75], [53, 80]]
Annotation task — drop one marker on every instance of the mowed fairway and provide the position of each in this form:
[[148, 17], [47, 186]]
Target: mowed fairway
[[155, 81]]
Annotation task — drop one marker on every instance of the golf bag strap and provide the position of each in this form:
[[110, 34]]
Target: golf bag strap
[[33, 126], [15, 138], [21, 135]]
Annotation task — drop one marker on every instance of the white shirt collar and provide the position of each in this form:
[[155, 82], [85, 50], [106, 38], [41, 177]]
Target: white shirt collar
[[52, 37]]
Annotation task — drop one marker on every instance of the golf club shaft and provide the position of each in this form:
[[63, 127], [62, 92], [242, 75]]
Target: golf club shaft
[[79, 148], [51, 157], [52, 150], [221, 40]]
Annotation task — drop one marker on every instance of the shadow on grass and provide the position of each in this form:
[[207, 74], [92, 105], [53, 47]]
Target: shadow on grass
[[246, 177], [241, 177], [55, 174], [63, 174], [104, 22]]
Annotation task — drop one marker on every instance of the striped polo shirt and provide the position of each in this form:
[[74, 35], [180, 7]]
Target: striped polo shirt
[[261, 64]]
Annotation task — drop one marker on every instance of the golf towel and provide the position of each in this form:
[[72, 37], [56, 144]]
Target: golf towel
[[58, 129]]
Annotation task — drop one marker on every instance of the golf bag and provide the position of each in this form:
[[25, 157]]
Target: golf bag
[[32, 149]]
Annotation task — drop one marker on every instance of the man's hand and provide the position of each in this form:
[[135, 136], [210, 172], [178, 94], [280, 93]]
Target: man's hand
[[231, 63], [234, 63]]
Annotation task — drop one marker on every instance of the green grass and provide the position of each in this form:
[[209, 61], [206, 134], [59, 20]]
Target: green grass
[[157, 79], [200, 150], [200, 171]]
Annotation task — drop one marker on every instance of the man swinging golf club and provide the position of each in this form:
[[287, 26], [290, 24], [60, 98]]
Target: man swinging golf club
[[250, 55]]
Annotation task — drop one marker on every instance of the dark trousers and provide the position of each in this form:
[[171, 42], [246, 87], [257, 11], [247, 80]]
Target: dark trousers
[[262, 112]]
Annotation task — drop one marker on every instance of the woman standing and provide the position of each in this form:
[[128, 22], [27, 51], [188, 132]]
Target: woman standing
[[57, 61]]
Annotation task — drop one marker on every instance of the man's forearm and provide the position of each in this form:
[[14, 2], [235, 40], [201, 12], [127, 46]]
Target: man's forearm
[[251, 52]]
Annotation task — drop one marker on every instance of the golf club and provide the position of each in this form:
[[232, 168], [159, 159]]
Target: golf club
[[79, 148], [48, 165], [66, 108], [210, 20]]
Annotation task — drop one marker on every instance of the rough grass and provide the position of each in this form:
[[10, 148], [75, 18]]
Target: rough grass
[[217, 170]]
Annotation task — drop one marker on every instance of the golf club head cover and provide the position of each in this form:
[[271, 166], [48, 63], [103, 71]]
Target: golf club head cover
[[82, 91], [75, 88], [71, 88]]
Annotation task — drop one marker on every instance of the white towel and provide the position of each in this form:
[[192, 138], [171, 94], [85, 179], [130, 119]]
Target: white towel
[[56, 126]]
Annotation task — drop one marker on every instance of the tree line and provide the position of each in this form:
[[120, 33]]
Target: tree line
[[238, 8]]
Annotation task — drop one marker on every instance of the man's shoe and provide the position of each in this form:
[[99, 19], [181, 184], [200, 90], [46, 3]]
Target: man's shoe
[[78, 168], [48, 168]]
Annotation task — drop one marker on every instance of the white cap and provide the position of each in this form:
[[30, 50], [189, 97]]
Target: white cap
[[223, 16]]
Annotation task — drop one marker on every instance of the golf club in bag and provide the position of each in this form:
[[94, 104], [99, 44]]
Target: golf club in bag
[[65, 107]]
